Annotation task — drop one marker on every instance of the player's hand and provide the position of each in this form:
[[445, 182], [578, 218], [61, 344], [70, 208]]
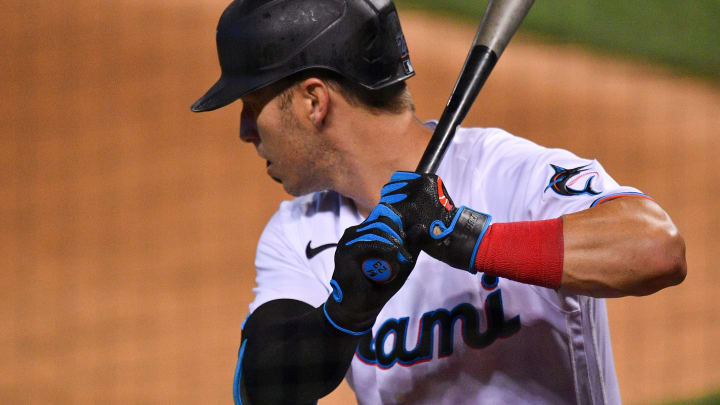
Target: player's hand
[[431, 220], [371, 264]]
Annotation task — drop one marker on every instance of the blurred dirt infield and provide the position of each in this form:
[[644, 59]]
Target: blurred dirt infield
[[129, 224]]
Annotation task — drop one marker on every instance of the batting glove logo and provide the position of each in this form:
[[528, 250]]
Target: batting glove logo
[[377, 270]]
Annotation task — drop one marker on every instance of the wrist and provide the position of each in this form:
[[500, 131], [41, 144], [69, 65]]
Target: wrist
[[529, 252], [457, 243], [351, 322]]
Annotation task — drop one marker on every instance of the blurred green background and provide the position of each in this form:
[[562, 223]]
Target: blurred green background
[[712, 399], [683, 35]]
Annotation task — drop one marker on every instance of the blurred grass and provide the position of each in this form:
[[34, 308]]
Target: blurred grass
[[713, 399], [683, 35]]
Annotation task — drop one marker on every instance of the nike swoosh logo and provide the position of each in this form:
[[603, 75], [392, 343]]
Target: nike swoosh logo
[[311, 252]]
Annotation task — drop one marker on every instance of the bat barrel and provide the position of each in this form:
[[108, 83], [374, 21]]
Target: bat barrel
[[500, 21]]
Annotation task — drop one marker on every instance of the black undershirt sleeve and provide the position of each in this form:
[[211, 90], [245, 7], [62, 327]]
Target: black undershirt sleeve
[[292, 354]]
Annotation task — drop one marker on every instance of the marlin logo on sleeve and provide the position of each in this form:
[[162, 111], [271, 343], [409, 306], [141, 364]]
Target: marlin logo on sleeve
[[566, 181]]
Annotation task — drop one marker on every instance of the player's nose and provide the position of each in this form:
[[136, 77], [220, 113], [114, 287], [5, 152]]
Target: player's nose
[[248, 127]]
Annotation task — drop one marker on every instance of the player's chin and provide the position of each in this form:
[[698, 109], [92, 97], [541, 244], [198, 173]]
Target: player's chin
[[268, 169], [293, 183], [297, 189]]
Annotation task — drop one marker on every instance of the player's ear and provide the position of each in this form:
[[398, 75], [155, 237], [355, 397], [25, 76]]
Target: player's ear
[[315, 99]]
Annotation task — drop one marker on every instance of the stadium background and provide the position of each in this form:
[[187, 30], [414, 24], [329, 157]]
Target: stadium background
[[129, 224]]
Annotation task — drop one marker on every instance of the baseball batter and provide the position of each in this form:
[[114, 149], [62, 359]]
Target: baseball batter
[[482, 285]]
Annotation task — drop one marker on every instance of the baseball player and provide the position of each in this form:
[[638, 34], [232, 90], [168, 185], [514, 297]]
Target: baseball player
[[482, 285]]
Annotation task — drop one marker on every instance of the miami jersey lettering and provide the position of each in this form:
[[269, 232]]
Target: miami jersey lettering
[[476, 333]]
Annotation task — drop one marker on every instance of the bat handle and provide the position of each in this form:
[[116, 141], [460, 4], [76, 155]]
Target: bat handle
[[481, 61]]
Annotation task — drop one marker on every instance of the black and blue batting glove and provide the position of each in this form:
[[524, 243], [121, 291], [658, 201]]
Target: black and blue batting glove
[[431, 220], [371, 264]]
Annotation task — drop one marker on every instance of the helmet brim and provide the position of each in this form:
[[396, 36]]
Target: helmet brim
[[228, 89]]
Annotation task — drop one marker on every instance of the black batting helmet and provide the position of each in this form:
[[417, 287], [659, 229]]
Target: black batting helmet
[[262, 41]]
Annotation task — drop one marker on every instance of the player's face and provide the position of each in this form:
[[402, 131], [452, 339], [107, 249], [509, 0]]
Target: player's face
[[295, 152]]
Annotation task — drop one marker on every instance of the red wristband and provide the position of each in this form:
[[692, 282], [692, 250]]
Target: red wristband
[[529, 252]]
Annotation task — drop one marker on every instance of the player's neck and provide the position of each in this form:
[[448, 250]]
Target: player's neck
[[376, 146]]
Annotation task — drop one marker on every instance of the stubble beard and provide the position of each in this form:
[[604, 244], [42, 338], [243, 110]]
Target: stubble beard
[[314, 154]]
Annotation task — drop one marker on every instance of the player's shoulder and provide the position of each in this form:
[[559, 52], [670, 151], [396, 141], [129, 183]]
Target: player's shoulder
[[496, 142], [488, 151], [499, 151], [471, 144]]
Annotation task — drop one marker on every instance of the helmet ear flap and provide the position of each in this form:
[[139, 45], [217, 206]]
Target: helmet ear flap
[[260, 42]]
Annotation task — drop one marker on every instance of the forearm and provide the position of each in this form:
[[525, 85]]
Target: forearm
[[293, 358], [628, 246]]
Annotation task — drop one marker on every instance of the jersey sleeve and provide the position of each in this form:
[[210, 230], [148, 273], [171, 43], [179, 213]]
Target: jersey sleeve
[[514, 179], [559, 182], [282, 270]]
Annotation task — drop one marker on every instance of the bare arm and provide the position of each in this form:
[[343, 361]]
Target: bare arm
[[627, 246]]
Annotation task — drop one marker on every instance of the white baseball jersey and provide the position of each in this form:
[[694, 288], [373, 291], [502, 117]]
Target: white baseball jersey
[[450, 337]]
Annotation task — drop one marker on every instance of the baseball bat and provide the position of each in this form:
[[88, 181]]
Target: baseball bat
[[500, 21]]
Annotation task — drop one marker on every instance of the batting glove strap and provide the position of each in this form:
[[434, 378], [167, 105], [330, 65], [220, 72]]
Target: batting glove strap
[[456, 244]]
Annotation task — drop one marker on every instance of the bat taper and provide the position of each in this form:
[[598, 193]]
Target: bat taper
[[500, 21]]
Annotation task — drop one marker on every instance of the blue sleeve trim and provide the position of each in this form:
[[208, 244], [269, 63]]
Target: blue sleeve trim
[[340, 328], [394, 198], [389, 188], [242, 327], [477, 244], [399, 176], [382, 227], [238, 375], [618, 195], [384, 211], [369, 238]]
